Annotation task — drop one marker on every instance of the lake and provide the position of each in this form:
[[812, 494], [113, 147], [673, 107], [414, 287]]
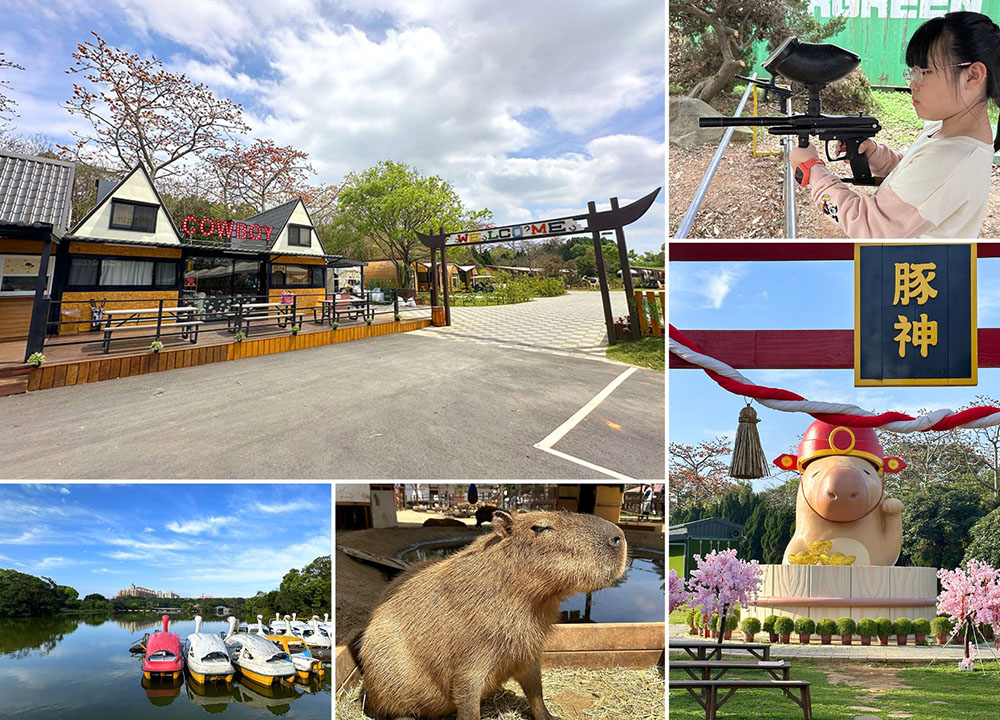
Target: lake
[[80, 667], [637, 596]]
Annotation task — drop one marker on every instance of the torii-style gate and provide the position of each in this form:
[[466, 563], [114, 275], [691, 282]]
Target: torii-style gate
[[596, 222], [794, 349]]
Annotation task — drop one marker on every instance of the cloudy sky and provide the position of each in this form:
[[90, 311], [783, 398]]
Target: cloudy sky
[[792, 296], [528, 108], [219, 540]]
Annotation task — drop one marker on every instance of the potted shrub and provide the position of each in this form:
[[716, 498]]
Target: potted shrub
[[867, 629], [240, 336], [692, 620], [884, 626], [941, 628], [825, 628], [732, 622], [921, 629], [783, 627], [846, 627], [804, 627], [713, 626], [295, 329], [902, 628], [35, 359], [768, 627], [156, 346], [750, 627]]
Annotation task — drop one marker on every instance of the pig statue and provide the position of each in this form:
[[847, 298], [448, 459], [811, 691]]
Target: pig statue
[[842, 516]]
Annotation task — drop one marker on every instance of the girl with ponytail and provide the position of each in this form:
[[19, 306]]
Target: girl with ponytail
[[939, 187]]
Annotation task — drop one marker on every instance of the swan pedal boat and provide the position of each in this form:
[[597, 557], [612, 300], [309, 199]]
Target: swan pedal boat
[[164, 658], [257, 658], [306, 665], [207, 657]]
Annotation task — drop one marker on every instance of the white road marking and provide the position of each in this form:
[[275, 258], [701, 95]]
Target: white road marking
[[556, 435]]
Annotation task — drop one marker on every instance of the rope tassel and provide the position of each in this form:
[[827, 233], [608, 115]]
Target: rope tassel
[[749, 461]]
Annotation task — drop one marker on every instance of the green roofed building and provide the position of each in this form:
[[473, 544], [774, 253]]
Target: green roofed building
[[700, 537]]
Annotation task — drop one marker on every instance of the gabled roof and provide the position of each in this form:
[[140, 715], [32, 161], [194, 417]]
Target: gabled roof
[[276, 217], [36, 189], [108, 198], [706, 529]]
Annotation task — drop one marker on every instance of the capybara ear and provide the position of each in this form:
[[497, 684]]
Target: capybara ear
[[503, 523]]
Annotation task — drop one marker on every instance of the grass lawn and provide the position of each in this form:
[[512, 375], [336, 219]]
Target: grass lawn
[[649, 352], [837, 686]]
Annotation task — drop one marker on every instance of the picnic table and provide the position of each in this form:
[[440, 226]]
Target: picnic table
[[705, 649], [353, 307], [242, 315], [715, 669], [136, 318]]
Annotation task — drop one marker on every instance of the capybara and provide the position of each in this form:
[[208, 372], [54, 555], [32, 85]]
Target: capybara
[[443, 522], [842, 516], [484, 514], [448, 633]]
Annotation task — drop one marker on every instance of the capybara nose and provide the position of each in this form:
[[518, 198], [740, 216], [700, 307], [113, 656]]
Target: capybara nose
[[841, 494]]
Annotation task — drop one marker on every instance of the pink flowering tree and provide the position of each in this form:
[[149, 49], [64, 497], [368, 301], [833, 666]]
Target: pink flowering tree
[[678, 595], [970, 597], [722, 583]]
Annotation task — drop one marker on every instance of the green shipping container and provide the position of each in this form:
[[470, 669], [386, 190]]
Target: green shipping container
[[878, 31]]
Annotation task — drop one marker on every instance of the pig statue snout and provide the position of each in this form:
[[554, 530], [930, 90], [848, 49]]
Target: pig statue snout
[[842, 494]]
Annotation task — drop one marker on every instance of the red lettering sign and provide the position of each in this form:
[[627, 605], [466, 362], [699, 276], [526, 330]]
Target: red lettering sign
[[191, 225]]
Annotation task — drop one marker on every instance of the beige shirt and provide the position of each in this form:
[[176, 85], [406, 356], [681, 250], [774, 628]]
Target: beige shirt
[[938, 188]]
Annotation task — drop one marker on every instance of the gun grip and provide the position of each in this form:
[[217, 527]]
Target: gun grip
[[804, 140]]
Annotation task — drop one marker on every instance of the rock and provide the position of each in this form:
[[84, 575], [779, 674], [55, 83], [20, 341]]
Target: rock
[[863, 708], [684, 130], [900, 714], [867, 717]]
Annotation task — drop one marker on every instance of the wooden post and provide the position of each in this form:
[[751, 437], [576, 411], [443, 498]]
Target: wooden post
[[433, 278], [40, 306], [633, 320], [602, 276], [446, 281]]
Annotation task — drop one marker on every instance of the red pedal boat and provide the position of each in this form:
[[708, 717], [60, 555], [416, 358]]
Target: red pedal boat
[[164, 658]]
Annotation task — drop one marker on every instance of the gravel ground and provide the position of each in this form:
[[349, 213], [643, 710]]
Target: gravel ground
[[745, 197]]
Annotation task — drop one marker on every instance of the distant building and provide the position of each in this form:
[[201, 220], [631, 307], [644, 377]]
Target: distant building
[[134, 590]]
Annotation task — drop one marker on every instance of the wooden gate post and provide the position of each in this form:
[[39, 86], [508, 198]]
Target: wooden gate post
[[602, 276]]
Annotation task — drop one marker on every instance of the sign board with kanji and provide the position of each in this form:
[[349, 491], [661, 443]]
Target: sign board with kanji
[[915, 315]]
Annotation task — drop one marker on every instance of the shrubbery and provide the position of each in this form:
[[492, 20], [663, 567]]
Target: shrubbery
[[846, 626]]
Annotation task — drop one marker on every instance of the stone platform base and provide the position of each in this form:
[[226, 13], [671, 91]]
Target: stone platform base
[[856, 591]]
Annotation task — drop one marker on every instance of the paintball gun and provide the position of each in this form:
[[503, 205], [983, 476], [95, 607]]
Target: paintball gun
[[815, 65]]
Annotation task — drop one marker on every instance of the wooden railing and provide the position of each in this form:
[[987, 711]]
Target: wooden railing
[[650, 307]]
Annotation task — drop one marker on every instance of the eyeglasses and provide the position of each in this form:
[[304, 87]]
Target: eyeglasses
[[916, 74]]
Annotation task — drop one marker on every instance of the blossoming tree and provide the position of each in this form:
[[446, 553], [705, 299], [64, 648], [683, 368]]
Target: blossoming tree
[[678, 595], [722, 583], [970, 598]]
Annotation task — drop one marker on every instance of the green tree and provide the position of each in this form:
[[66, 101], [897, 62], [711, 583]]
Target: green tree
[[778, 528], [984, 542], [306, 591], [390, 202], [23, 595], [751, 547], [936, 524]]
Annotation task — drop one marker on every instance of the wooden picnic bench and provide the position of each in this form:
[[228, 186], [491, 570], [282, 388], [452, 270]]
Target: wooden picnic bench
[[715, 669], [708, 697], [245, 315], [138, 318]]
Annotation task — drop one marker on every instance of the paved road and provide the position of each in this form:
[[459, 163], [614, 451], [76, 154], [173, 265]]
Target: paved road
[[570, 325], [398, 407]]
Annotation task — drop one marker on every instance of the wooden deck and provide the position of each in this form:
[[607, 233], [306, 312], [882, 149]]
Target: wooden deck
[[77, 364]]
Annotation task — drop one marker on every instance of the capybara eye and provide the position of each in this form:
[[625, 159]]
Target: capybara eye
[[541, 528]]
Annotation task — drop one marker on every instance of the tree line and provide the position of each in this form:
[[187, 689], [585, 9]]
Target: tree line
[[306, 592]]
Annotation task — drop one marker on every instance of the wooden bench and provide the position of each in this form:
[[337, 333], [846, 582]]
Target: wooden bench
[[282, 319], [704, 650], [189, 330], [710, 701], [707, 668]]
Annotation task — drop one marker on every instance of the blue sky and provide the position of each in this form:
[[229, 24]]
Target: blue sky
[[791, 295], [528, 108], [195, 539]]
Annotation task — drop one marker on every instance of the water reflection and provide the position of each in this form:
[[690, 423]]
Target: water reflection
[[276, 698], [210, 697], [19, 637], [161, 692]]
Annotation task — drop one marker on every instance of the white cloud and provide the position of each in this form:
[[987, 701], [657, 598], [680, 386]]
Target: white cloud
[[108, 570], [715, 286], [148, 530], [209, 525], [51, 562]]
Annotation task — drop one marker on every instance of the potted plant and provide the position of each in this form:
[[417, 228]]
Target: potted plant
[[825, 628], [398, 317], [768, 627], [156, 346], [714, 626], [804, 627], [941, 628], [732, 622], [750, 627], [884, 626], [921, 629], [902, 628], [35, 359], [368, 321], [240, 336], [295, 329], [783, 627], [692, 620], [867, 629], [334, 325], [846, 627]]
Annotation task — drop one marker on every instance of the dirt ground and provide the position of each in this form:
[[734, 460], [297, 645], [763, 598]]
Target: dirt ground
[[570, 693], [745, 197], [869, 680]]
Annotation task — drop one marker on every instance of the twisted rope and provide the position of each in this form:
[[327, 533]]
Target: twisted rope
[[833, 413]]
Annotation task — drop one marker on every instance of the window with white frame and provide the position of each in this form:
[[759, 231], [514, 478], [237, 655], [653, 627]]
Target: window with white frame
[[299, 235], [19, 273]]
